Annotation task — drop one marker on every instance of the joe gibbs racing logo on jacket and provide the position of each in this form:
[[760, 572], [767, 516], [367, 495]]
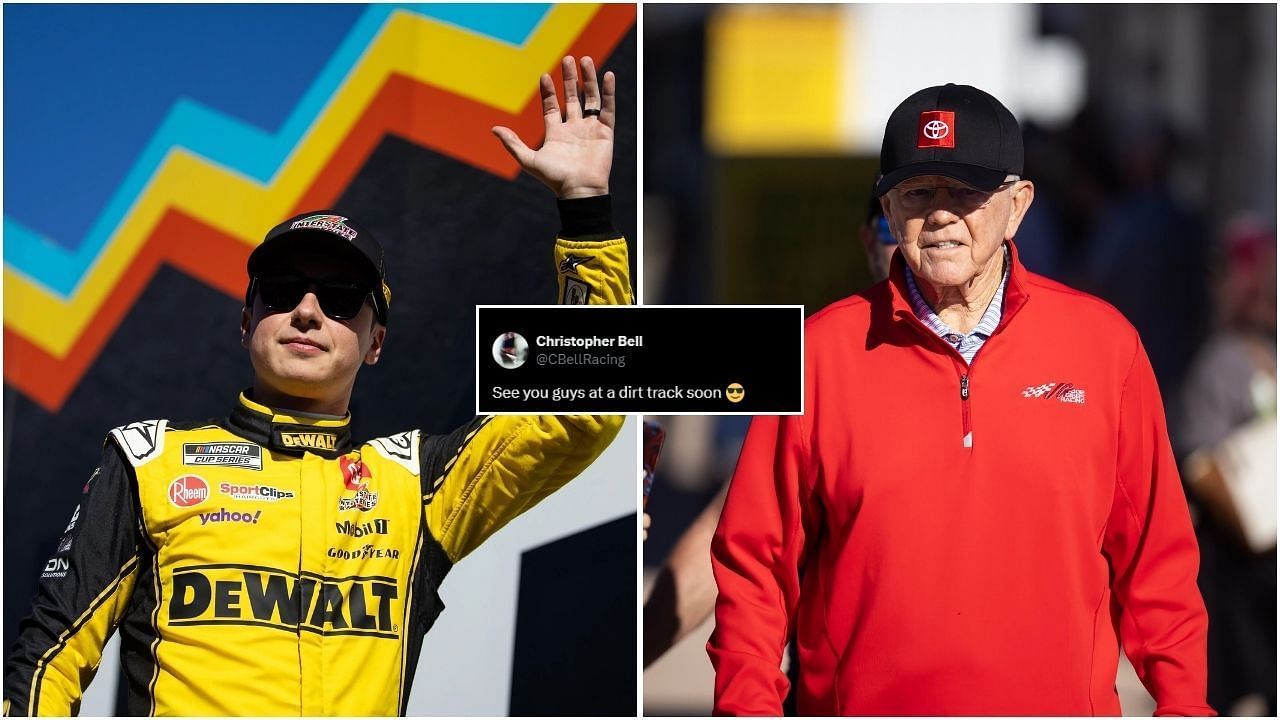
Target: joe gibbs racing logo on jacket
[[355, 476]]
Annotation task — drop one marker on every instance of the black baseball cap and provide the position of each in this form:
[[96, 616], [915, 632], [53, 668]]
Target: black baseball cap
[[954, 130], [326, 232]]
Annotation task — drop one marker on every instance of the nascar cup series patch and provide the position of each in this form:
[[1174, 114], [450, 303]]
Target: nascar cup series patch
[[233, 454]]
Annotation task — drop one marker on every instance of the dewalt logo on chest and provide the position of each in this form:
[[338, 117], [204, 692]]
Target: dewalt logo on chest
[[309, 440], [267, 597]]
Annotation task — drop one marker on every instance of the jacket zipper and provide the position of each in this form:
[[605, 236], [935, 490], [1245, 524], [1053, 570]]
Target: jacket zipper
[[966, 437]]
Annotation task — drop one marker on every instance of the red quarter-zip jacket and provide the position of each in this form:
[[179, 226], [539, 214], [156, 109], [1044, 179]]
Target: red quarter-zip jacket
[[926, 575]]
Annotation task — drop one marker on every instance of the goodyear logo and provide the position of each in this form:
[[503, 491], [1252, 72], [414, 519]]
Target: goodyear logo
[[233, 454], [368, 552], [315, 441], [268, 597]]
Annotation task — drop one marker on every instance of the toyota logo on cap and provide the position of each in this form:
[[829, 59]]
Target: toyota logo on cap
[[936, 129], [957, 131]]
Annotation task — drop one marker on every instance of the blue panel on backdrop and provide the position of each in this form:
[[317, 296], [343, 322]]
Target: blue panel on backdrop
[[96, 94], [121, 69]]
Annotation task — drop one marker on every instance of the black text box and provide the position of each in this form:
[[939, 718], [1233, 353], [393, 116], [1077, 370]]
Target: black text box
[[655, 359]]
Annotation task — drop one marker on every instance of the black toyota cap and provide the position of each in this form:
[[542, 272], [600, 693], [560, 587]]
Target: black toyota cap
[[327, 232], [954, 130]]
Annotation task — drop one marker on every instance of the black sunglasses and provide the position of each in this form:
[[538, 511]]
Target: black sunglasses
[[339, 300]]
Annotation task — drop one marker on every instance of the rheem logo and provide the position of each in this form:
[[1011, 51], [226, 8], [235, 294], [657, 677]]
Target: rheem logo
[[188, 491]]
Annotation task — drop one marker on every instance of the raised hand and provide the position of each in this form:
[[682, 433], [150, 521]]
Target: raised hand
[[576, 156]]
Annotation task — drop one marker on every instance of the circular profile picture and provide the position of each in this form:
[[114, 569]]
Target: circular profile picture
[[510, 350]]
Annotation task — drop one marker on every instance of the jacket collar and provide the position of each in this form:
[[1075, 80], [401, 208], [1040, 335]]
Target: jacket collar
[[1015, 291], [290, 432]]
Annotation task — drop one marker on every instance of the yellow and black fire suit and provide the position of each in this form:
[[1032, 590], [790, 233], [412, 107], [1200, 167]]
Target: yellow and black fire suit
[[264, 564]]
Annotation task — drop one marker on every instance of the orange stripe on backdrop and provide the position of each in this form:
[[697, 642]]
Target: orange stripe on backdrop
[[209, 255], [422, 114], [452, 126]]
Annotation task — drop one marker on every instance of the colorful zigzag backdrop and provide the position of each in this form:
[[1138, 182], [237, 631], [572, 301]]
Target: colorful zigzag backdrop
[[201, 192]]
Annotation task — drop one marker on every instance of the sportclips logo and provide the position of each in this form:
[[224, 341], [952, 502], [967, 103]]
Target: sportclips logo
[[315, 441], [355, 476], [255, 493], [267, 597]]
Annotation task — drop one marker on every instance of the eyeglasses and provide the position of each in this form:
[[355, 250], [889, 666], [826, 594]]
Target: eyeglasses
[[339, 300], [964, 198]]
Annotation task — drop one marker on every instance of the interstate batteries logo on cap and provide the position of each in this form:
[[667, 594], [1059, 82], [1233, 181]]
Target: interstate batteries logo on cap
[[245, 455], [335, 224]]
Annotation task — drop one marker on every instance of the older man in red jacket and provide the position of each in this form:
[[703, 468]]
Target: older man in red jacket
[[949, 539]]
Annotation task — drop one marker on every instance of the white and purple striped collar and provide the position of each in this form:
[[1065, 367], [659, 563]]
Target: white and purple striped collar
[[967, 345]]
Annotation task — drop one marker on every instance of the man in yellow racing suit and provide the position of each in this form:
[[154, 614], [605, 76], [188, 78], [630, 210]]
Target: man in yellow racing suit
[[265, 564]]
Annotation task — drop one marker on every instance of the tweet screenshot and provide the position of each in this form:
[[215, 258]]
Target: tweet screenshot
[[653, 359]]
